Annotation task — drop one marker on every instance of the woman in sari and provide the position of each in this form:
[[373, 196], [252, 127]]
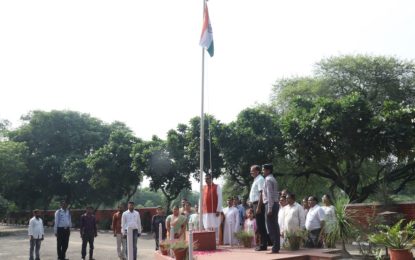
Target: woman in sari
[[178, 222]]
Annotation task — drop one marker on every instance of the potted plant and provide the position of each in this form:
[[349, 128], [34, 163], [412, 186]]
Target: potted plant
[[294, 239], [179, 248], [398, 239], [164, 247], [245, 238]]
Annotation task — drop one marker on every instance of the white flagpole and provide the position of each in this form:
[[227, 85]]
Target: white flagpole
[[202, 134]]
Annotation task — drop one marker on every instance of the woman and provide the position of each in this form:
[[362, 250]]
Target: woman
[[178, 222], [330, 220]]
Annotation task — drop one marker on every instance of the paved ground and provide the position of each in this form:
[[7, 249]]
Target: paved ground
[[14, 244]]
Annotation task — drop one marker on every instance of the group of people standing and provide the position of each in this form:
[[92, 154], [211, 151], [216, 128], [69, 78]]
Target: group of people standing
[[122, 221], [271, 215]]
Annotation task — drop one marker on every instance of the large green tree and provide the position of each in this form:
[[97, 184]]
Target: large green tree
[[111, 165], [254, 138], [55, 140], [155, 159], [351, 143], [376, 78]]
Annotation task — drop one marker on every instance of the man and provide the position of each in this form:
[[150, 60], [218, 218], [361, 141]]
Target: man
[[305, 205], [294, 216], [194, 219], [255, 198], [131, 219], [62, 228], [116, 229], [231, 224], [270, 197], [183, 208], [281, 214], [314, 223], [241, 211], [212, 205], [36, 234], [158, 219], [88, 229]]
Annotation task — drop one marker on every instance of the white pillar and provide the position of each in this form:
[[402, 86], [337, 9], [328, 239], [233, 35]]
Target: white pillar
[[191, 241], [230, 233], [160, 234], [130, 249]]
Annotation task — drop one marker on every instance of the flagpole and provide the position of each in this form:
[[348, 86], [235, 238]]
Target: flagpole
[[202, 135]]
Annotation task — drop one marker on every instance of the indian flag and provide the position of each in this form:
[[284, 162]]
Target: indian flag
[[206, 39]]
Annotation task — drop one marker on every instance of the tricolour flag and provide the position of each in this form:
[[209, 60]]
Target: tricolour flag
[[206, 39]]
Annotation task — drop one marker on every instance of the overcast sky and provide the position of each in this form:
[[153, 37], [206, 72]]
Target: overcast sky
[[139, 62]]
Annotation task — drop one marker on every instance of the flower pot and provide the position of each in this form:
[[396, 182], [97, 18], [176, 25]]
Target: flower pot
[[247, 243], [400, 254], [180, 254], [294, 243], [164, 251]]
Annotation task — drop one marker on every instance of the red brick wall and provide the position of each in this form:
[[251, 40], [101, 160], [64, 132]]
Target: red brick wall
[[364, 213]]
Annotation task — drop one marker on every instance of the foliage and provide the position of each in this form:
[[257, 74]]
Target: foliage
[[294, 239], [343, 229], [110, 165], [347, 143], [254, 138], [395, 237], [154, 159], [179, 244]]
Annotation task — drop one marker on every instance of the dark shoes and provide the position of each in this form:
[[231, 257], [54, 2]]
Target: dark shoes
[[260, 248]]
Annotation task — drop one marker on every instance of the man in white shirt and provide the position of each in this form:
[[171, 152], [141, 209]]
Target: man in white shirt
[[231, 225], [36, 234], [62, 228], [131, 219], [294, 216], [255, 197], [314, 223]]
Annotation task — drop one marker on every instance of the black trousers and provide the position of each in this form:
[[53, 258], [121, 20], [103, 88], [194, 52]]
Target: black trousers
[[314, 239], [63, 241], [273, 227], [260, 223], [158, 240], [88, 238]]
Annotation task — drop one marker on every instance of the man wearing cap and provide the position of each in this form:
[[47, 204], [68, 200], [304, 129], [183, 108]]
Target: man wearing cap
[[158, 219], [271, 198], [61, 228], [255, 198], [212, 205]]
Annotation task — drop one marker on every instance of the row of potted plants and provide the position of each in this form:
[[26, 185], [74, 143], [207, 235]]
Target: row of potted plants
[[179, 248]]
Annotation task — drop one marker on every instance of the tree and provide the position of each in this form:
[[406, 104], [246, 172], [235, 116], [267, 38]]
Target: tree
[[54, 140], [376, 78], [254, 138], [155, 159], [14, 176], [111, 167], [348, 142]]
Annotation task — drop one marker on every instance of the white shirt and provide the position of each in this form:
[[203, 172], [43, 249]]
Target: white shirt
[[62, 219], [36, 228], [314, 217], [130, 219], [257, 186], [294, 217], [330, 213], [281, 216]]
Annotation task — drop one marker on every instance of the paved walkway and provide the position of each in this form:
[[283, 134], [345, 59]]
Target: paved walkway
[[14, 245]]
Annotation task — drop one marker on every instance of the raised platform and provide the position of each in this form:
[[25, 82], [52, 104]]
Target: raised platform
[[227, 253]]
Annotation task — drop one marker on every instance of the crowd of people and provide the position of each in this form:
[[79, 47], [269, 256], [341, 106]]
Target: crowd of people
[[269, 215], [122, 221]]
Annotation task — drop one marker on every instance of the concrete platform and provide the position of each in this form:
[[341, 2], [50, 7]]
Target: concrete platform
[[227, 253]]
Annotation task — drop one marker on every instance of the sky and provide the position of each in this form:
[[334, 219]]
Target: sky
[[139, 62]]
